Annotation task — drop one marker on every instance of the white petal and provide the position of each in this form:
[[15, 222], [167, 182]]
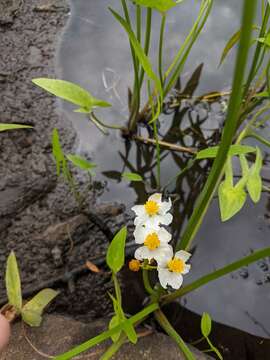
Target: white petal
[[138, 209], [152, 222], [158, 254], [141, 220], [167, 256], [183, 255], [139, 234], [164, 235], [175, 280], [163, 275], [186, 269], [165, 207], [141, 253], [156, 197], [165, 219]]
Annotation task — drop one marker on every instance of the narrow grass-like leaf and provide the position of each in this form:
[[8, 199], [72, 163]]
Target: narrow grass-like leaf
[[80, 162], [5, 127], [57, 151], [230, 44], [71, 92], [13, 282], [144, 60], [115, 256], [159, 5], [132, 176], [32, 310]]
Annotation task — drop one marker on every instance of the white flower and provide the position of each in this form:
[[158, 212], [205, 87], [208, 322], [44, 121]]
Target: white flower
[[171, 268], [153, 213], [155, 241]]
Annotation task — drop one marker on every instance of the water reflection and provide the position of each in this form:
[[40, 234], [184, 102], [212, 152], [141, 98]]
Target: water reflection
[[93, 53]]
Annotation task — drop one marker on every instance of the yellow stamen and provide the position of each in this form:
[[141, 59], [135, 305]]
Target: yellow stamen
[[151, 207], [152, 241], [176, 265], [134, 265]]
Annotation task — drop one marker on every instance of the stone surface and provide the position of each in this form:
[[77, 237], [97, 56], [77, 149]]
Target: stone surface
[[58, 334]]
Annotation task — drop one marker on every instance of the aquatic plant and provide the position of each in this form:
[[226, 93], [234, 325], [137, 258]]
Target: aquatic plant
[[246, 113]]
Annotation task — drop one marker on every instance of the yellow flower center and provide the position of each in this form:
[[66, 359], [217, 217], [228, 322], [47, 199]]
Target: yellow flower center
[[151, 207], [176, 265], [152, 241]]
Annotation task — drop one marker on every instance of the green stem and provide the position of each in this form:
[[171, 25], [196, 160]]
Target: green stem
[[113, 348], [146, 41], [107, 334], [160, 51], [164, 323], [260, 254], [146, 282], [117, 289], [228, 132], [158, 154]]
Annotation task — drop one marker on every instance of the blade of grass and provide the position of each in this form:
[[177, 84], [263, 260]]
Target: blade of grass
[[229, 129], [146, 41]]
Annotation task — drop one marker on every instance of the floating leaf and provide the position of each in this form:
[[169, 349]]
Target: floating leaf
[[206, 324], [160, 5], [211, 152], [13, 282], [80, 162], [132, 176], [71, 92], [144, 60], [5, 127], [115, 256], [254, 182], [32, 310]]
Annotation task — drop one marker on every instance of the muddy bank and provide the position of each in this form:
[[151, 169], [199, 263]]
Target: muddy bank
[[38, 215]]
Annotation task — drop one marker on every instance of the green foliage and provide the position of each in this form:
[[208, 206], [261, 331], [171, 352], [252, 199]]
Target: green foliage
[[160, 5], [13, 283], [5, 127], [206, 324], [254, 182], [131, 176], [139, 51], [58, 154], [212, 151], [115, 256], [80, 162], [230, 44], [265, 40], [72, 93], [33, 309]]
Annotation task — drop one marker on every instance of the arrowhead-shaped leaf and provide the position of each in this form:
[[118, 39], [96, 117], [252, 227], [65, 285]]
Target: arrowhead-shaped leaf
[[231, 200]]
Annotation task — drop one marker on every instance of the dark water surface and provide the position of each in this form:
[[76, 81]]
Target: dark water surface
[[94, 53]]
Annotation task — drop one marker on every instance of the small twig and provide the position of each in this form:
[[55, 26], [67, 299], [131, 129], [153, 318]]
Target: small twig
[[33, 347], [171, 146]]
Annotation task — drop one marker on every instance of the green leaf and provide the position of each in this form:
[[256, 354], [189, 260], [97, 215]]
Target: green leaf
[[80, 162], [206, 324], [115, 320], [71, 92], [211, 152], [160, 5], [144, 60], [130, 332], [57, 151], [254, 182], [13, 283], [262, 94], [32, 310], [265, 40], [230, 44], [115, 256], [231, 200], [132, 176], [5, 127]]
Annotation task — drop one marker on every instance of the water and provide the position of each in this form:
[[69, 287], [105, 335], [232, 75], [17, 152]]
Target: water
[[94, 53]]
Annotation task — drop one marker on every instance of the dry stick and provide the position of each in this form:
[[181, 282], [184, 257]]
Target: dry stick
[[170, 146]]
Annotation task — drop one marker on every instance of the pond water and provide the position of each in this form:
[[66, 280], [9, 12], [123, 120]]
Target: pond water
[[94, 53]]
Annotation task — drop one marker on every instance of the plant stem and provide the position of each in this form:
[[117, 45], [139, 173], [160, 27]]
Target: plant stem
[[146, 41], [166, 144], [164, 323], [228, 132], [160, 51], [260, 254], [146, 282], [158, 153], [113, 348]]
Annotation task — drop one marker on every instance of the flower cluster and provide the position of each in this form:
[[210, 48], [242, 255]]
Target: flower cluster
[[155, 239]]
